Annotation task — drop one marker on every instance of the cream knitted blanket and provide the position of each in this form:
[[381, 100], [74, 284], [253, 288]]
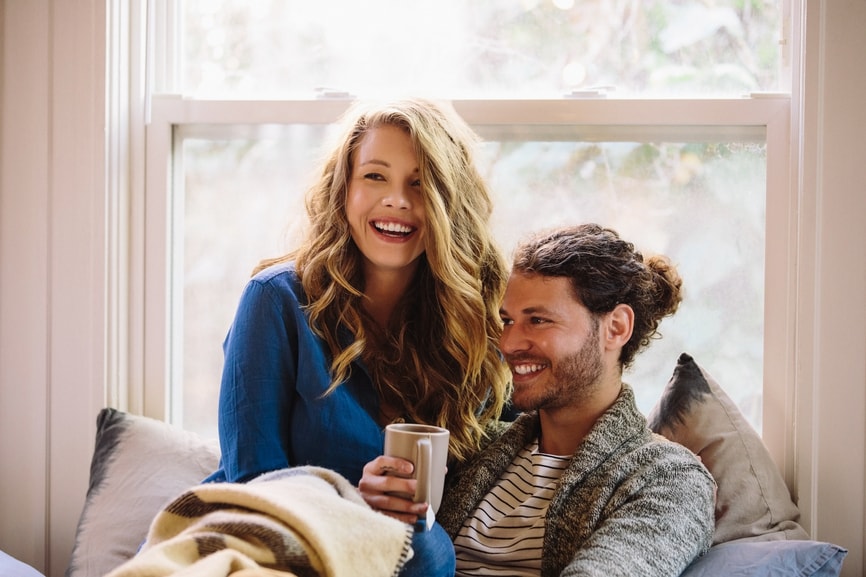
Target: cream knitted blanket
[[302, 521]]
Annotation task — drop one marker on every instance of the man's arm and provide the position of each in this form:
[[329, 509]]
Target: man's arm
[[656, 522]]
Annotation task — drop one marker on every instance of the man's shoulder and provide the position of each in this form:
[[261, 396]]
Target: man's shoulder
[[672, 456], [662, 444]]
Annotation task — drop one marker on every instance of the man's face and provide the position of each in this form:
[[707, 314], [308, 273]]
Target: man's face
[[550, 341]]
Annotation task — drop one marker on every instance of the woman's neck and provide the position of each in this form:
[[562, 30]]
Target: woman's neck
[[383, 290]]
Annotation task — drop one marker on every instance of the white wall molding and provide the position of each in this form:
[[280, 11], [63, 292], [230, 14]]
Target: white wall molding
[[52, 271], [831, 315]]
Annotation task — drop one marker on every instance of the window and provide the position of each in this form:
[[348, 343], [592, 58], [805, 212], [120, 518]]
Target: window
[[464, 49], [663, 120]]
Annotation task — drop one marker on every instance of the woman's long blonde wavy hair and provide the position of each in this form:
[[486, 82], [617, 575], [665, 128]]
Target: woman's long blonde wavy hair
[[438, 362]]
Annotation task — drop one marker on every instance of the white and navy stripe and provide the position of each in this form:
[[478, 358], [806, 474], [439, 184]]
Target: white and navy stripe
[[505, 533]]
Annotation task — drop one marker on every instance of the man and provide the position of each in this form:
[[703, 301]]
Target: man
[[578, 484]]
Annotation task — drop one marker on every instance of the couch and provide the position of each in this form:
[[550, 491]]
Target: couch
[[139, 464]]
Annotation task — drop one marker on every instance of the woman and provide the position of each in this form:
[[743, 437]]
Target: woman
[[386, 312]]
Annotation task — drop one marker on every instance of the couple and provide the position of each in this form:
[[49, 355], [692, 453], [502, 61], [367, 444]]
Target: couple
[[398, 307]]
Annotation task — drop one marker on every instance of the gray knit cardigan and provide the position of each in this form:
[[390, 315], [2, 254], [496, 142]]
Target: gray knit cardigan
[[630, 502]]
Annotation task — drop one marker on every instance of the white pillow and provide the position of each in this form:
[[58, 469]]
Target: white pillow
[[12, 567], [139, 465]]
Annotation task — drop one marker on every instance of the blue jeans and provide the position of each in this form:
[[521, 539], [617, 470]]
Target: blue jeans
[[433, 555]]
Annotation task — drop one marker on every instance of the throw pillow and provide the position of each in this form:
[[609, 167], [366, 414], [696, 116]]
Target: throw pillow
[[753, 502], [12, 567], [139, 465]]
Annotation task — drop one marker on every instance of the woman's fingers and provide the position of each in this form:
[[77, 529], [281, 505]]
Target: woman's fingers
[[385, 490], [385, 465], [397, 507]]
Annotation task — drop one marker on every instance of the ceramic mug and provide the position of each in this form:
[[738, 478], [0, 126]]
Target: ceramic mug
[[426, 446]]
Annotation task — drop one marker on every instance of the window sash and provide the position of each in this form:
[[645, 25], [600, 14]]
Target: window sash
[[758, 118]]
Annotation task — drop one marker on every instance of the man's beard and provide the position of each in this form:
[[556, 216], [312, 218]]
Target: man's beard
[[574, 378]]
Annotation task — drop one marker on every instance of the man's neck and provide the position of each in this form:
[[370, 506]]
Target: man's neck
[[563, 429]]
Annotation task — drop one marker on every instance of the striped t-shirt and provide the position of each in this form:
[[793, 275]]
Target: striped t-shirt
[[505, 533]]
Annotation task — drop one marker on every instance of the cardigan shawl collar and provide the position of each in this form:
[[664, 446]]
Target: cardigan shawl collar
[[619, 430]]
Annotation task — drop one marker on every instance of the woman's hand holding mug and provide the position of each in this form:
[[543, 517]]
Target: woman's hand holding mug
[[407, 481]]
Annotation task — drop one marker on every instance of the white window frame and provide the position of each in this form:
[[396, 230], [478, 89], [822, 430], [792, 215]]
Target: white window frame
[[144, 349], [654, 119]]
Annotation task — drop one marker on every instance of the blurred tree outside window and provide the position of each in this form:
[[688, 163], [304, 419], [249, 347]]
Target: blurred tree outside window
[[468, 49], [701, 199]]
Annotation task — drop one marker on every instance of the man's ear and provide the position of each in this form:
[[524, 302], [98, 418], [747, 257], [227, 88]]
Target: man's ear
[[618, 326]]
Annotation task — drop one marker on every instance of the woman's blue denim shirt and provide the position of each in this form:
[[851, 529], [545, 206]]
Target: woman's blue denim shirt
[[272, 409], [273, 414]]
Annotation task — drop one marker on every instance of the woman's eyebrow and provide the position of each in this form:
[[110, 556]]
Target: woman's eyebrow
[[375, 161]]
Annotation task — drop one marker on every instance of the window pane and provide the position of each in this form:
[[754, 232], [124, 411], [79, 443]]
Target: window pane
[[702, 202], [472, 49]]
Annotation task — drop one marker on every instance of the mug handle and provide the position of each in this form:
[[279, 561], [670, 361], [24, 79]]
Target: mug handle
[[423, 468]]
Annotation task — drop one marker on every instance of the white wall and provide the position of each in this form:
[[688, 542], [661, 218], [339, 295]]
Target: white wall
[[52, 272], [831, 348], [53, 283]]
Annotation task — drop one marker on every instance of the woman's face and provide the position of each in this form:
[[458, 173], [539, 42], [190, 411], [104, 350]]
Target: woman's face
[[385, 207]]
